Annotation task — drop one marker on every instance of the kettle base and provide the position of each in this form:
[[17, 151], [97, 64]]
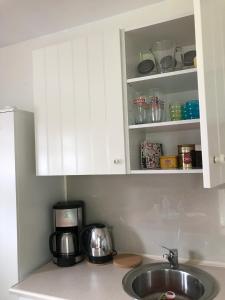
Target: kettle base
[[100, 259]]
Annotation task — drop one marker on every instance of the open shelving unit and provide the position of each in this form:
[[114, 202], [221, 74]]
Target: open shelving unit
[[177, 86]]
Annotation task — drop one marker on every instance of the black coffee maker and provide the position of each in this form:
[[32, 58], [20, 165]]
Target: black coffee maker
[[68, 217]]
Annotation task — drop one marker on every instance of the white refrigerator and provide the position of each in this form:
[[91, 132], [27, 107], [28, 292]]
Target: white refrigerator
[[25, 201]]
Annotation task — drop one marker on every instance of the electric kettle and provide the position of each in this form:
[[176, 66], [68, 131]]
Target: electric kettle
[[96, 243]]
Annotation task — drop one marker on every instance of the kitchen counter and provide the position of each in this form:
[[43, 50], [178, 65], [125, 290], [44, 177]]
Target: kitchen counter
[[86, 281]]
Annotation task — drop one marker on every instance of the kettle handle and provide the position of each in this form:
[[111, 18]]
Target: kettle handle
[[83, 243], [51, 237]]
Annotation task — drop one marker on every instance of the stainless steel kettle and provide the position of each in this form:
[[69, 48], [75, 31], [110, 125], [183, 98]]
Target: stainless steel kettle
[[97, 244]]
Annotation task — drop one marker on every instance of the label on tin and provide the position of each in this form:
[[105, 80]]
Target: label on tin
[[187, 158]]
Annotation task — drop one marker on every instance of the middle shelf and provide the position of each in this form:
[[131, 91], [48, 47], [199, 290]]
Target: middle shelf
[[167, 126], [171, 82]]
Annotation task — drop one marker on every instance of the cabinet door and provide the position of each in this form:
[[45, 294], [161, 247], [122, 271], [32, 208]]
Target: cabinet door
[[210, 45], [78, 106]]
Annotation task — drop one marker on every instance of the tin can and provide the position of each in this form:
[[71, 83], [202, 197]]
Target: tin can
[[168, 162], [185, 156]]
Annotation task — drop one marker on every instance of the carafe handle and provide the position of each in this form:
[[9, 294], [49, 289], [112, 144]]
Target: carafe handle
[[51, 237]]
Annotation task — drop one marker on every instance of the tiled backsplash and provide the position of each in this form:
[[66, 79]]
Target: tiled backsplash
[[147, 211]]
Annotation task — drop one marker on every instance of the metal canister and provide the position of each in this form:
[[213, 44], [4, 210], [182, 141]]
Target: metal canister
[[185, 156]]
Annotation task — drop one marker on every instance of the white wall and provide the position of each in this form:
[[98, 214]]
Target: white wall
[[147, 211]]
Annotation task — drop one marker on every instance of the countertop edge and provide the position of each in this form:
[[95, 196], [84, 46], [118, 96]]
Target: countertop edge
[[24, 293]]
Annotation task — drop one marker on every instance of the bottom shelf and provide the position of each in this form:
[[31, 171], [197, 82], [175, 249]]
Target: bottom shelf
[[167, 171]]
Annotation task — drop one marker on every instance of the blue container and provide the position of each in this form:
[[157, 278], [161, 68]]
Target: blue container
[[190, 110]]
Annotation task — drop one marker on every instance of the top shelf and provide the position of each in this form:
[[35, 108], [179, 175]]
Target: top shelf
[[170, 82]]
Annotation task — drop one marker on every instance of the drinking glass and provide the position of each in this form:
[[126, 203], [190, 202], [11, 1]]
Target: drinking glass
[[175, 111]]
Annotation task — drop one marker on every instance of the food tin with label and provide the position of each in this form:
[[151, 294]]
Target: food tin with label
[[150, 155], [185, 156], [168, 162]]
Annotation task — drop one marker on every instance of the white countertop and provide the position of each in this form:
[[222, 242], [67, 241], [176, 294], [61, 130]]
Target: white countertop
[[86, 281]]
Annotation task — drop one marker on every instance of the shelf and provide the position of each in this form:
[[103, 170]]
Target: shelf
[[167, 171], [170, 82], [168, 126]]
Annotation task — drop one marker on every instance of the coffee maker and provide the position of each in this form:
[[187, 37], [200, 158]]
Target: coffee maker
[[64, 244]]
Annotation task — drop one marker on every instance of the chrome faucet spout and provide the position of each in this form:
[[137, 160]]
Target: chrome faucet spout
[[172, 257]]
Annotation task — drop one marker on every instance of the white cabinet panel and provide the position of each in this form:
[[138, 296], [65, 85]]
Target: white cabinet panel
[[67, 109], [210, 45], [54, 111], [40, 107], [82, 106], [80, 122], [114, 106], [98, 103]]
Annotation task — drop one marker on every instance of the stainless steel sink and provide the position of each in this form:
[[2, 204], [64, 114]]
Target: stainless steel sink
[[188, 283]]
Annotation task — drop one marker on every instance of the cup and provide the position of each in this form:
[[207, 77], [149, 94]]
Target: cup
[[156, 109], [190, 110], [156, 105], [179, 58], [141, 110], [175, 111]]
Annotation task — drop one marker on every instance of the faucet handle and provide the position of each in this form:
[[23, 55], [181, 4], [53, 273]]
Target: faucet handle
[[173, 251]]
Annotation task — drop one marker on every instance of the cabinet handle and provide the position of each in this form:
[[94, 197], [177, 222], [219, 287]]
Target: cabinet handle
[[117, 161], [219, 159]]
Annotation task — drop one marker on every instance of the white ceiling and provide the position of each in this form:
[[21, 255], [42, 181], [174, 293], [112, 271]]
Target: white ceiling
[[25, 19]]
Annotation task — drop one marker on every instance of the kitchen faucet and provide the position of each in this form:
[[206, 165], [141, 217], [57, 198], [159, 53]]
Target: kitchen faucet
[[172, 257]]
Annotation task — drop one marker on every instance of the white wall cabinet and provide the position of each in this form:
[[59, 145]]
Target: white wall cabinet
[[78, 106], [78, 95]]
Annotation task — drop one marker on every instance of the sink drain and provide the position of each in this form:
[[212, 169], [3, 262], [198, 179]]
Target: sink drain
[[169, 295]]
